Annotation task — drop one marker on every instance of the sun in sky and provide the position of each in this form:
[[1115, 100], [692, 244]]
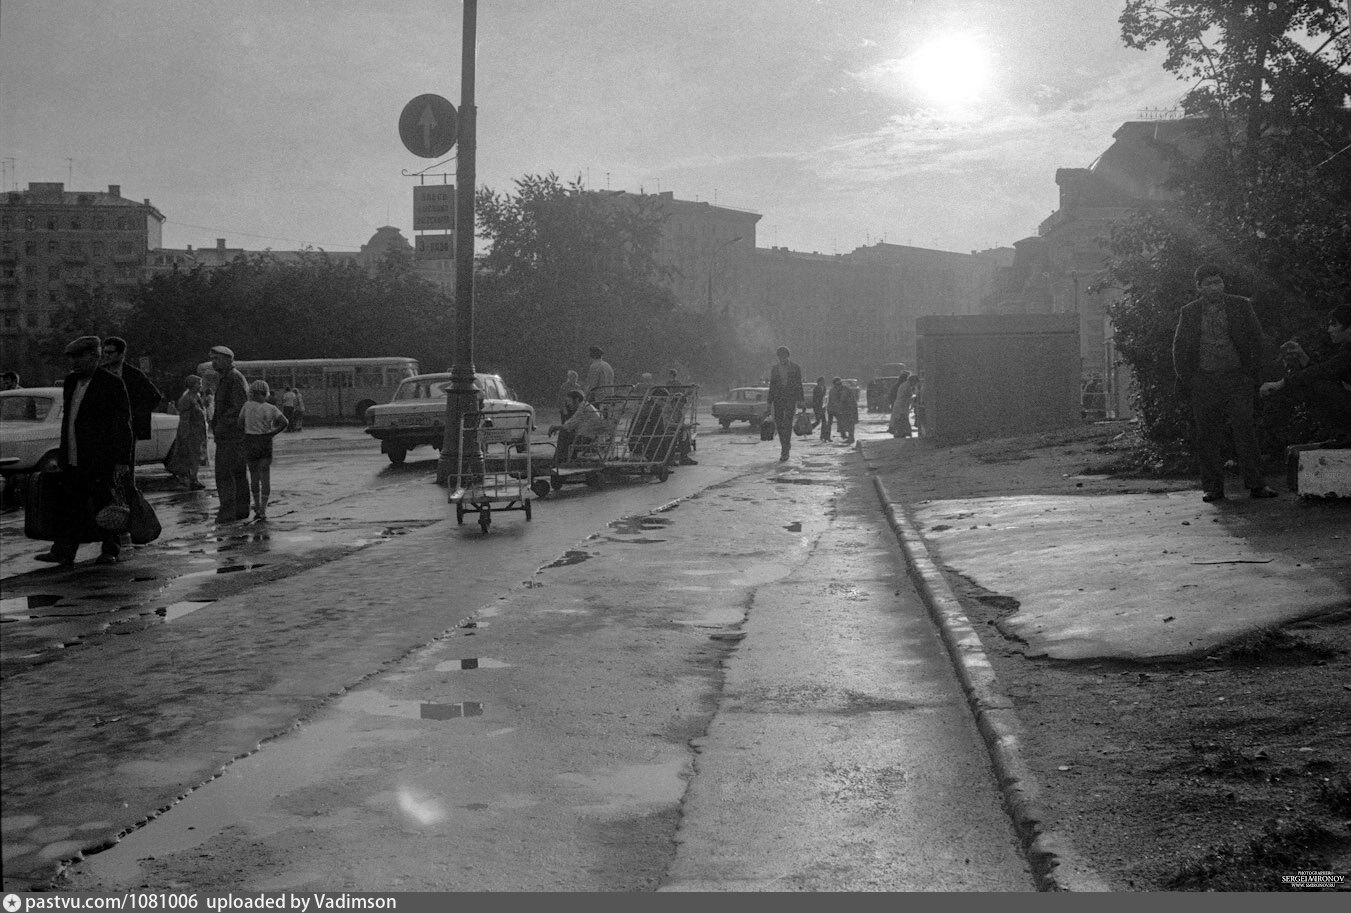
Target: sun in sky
[[950, 72]]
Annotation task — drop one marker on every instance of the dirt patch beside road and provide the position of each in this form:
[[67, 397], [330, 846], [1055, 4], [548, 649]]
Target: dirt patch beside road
[[1227, 770]]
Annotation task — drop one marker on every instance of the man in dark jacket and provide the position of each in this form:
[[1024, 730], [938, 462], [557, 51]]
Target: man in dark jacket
[[1217, 356], [785, 395], [1324, 386], [143, 395], [96, 445], [232, 474]]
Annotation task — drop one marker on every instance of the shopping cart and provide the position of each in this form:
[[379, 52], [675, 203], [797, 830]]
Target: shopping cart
[[493, 465], [644, 435]]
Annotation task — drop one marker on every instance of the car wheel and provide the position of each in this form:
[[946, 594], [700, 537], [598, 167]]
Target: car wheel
[[397, 454], [362, 407], [725, 423], [48, 463]]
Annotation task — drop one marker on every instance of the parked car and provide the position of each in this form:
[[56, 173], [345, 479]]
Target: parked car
[[30, 431], [743, 404], [417, 413]]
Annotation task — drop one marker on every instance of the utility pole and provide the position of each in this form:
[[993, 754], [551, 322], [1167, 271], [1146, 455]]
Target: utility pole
[[463, 392]]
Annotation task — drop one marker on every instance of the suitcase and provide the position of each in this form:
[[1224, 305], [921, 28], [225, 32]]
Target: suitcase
[[48, 509], [767, 428]]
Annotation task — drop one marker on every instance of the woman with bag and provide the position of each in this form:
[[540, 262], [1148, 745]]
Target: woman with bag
[[190, 442]]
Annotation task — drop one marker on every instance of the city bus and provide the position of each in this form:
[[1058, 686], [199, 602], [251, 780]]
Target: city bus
[[334, 389]]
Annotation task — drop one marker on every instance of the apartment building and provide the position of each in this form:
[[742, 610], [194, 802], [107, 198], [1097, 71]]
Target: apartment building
[[58, 246]]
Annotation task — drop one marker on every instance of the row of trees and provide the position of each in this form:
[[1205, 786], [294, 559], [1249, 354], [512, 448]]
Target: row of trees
[[565, 270], [1268, 197]]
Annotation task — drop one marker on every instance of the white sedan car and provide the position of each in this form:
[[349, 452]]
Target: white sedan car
[[30, 431]]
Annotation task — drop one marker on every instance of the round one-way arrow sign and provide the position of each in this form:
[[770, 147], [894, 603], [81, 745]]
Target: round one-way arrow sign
[[427, 126]]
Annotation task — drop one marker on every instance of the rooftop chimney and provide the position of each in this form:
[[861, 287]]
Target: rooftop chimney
[[115, 189], [220, 244]]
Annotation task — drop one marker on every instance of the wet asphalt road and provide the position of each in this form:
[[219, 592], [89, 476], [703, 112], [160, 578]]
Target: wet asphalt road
[[389, 664]]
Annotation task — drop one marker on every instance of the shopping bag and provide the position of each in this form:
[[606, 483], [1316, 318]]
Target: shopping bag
[[142, 524], [767, 429], [803, 424], [51, 508]]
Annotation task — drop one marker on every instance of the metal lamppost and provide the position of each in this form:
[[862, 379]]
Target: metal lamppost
[[463, 392], [713, 268]]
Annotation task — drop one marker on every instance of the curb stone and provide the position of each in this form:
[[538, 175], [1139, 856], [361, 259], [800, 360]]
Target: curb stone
[[1054, 865]]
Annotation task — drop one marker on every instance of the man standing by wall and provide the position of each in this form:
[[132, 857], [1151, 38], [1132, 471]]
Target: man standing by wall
[[96, 446], [785, 395], [232, 474], [1217, 355]]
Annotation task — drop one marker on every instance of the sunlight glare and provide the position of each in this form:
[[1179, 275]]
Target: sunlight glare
[[951, 71]]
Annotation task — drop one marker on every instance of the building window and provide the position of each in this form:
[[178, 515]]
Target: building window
[[98, 248], [75, 223], [122, 224], [126, 247], [6, 247], [53, 246], [76, 248], [8, 272], [53, 271], [98, 223], [51, 223], [53, 297], [9, 321], [30, 247], [6, 222]]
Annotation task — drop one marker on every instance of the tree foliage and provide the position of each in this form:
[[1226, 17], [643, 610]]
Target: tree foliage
[[570, 268], [261, 306], [1266, 194]]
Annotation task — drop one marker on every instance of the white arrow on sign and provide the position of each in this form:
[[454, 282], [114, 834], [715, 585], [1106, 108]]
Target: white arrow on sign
[[428, 123]]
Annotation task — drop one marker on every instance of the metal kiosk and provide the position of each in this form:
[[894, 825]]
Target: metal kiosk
[[503, 444]]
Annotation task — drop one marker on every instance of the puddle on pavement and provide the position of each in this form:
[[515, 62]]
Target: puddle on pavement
[[451, 711], [571, 557], [633, 525], [228, 569], [482, 662], [179, 609], [794, 527], [17, 605]]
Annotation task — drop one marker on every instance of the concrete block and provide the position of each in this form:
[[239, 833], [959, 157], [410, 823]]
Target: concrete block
[[1325, 473]]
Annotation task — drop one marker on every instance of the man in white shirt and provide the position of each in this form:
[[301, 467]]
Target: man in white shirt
[[598, 373]]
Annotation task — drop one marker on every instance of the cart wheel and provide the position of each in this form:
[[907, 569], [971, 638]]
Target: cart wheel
[[662, 472], [484, 518], [540, 487], [459, 514], [555, 481], [593, 479], [527, 509]]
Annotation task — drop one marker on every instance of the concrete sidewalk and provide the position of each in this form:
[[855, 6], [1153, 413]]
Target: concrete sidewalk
[[1128, 574]]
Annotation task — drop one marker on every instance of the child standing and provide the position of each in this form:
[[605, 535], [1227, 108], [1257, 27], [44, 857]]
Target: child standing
[[261, 422]]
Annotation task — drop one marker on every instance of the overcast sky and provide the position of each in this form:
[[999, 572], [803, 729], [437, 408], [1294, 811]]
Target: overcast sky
[[273, 123]]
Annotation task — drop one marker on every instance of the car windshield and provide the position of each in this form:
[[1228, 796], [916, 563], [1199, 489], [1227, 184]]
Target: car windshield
[[25, 408], [422, 388]]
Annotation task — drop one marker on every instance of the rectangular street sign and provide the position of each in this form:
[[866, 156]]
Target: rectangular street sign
[[434, 207], [434, 247]]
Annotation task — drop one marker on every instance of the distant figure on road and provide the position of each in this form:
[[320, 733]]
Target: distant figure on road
[[900, 406], [300, 411], [785, 395], [232, 474], [260, 421], [819, 407], [1217, 352], [598, 373], [842, 408], [190, 442], [288, 407], [1324, 386]]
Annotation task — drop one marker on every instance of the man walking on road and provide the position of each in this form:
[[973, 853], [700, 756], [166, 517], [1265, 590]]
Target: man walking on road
[[1217, 354], [96, 447], [785, 395], [232, 474]]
